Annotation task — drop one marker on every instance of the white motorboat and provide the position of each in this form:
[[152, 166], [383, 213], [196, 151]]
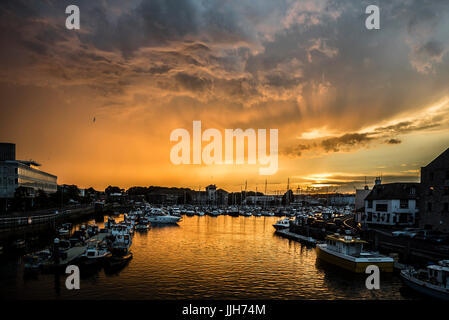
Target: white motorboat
[[432, 281], [282, 224], [95, 252], [200, 213], [162, 218]]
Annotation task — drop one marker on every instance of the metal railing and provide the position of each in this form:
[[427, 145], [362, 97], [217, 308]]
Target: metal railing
[[14, 222]]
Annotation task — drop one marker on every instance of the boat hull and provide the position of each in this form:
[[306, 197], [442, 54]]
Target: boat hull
[[422, 288], [164, 220], [280, 227], [90, 261], [352, 265]]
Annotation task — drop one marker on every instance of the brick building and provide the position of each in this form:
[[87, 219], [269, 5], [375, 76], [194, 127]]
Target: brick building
[[434, 204]]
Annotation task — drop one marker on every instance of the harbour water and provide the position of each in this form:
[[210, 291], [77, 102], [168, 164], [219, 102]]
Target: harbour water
[[207, 257]]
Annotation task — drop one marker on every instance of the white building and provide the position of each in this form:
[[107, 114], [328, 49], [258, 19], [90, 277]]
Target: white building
[[393, 204], [15, 173]]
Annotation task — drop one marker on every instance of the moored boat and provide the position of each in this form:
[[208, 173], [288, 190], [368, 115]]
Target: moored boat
[[36, 260], [142, 226], [95, 253], [215, 213], [65, 229], [347, 252], [432, 281], [282, 224], [162, 218]]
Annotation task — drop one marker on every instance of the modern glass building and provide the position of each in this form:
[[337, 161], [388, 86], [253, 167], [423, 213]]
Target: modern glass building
[[15, 173]]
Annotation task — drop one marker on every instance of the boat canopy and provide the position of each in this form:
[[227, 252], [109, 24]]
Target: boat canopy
[[344, 239]]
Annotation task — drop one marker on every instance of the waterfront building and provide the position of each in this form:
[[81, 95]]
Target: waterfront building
[[259, 199], [392, 204], [211, 196], [222, 197], [200, 197], [434, 202], [341, 199], [211, 191], [16, 173], [359, 203]]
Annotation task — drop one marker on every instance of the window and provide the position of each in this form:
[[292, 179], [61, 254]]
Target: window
[[412, 190], [370, 203], [404, 204], [403, 217], [382, 207]]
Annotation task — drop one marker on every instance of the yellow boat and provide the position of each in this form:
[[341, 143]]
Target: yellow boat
[[347, 252]]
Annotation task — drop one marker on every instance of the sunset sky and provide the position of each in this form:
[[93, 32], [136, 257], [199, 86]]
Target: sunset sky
[[348, 102]]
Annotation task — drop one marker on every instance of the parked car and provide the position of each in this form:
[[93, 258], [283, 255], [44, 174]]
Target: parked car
[[404, 232]]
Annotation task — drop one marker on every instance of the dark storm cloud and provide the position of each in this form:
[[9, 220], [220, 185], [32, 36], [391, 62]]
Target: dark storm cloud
[[191, 82], [349, 139], [432, 48], [313, 57], [409, 126], [393, 141], [380, 135]]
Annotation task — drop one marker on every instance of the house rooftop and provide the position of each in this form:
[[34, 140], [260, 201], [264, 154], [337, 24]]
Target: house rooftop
[[390, 191], [441, 159]]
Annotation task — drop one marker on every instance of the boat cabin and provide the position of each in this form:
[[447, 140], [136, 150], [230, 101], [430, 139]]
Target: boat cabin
[[439, 274], [345, 244]]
